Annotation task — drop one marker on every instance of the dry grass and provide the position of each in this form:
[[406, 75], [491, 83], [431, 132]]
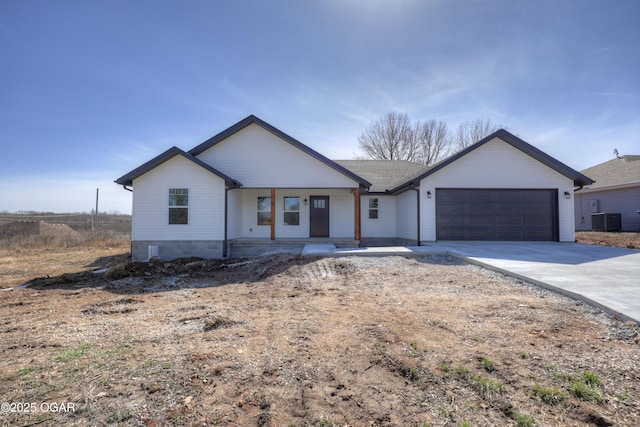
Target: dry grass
[[301, 341], [627, 240], [25, 258]]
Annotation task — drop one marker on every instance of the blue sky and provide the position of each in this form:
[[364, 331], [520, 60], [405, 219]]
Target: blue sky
[[92, 89]]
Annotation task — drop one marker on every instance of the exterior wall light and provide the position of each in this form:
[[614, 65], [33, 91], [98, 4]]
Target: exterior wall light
[[428, 194], [305, 202], [567, 195]]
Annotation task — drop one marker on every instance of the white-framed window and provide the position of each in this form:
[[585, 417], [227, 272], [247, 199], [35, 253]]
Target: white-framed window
[[178, 206], [373, 208], [264, 210], [292, 211]]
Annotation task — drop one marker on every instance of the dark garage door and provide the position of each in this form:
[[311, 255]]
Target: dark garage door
[[473, 214]]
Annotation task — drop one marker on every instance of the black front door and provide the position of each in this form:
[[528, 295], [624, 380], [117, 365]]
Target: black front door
[[319, 216]]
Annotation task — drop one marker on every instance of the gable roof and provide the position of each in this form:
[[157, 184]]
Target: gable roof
[[578, 178], [128, 178], [619, 171], [299, 145], [384, 175]]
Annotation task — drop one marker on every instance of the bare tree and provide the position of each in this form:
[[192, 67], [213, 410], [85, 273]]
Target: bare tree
[[395, 137], [433, 141], [389, 138], [469, 133]]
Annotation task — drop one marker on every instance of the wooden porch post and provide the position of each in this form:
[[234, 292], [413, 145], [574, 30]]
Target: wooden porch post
[[356, 195], [273, 214]]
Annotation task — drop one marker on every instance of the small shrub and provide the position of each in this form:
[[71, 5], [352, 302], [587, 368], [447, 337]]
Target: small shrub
[[73, 353], [549, 395], [591, 379], [413, 351], [24, 371], [462, 372], [487, 388], [524, 420], [412, 374], [587, 387], [487, 364], [444, 367], [119, 416], [583, 391], [326, 421]]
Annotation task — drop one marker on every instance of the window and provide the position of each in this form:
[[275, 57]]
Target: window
[[373, 208], [264, 210], [178, 206], [292, 211]]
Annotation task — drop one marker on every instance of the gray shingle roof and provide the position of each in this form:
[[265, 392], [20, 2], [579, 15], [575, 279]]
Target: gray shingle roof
[[619, 171], [384, 174]]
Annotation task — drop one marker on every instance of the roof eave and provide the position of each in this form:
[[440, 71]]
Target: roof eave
[[577, 178], [255, 120], [127, 179]]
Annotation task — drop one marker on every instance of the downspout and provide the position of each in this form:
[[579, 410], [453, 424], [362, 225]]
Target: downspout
[[417, 190], [226, 219]]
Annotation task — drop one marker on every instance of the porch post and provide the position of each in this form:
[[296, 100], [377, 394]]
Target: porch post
[[273, 214], [356, 195]]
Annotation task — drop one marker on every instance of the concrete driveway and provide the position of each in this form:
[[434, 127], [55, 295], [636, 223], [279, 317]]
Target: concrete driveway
[[606, 277]]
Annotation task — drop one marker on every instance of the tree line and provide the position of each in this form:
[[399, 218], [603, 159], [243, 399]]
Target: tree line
[[395, 136]]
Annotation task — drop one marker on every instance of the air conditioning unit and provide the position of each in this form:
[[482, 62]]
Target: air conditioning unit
[[606, 222]]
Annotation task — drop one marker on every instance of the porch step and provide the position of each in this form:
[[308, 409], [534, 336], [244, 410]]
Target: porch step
[[310, 248], [262, 247]]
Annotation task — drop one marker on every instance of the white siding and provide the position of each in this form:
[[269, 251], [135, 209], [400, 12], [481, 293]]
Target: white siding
[[250, 227], [406, 215], [257, 158], [234, 217], [496, 165], [151, 203], [385, 224], [625, 201], [341, 213], [293, 231]]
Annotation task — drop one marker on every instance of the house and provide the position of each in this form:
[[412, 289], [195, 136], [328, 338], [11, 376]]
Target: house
[[252, 188], [616, 190]]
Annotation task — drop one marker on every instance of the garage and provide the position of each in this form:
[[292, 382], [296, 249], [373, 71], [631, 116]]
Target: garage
[[497, 214]]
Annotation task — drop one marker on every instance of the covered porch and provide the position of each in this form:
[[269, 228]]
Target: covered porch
[[271, 220], [260, 247]]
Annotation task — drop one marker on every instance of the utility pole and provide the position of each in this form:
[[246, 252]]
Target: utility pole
[[97, 191]]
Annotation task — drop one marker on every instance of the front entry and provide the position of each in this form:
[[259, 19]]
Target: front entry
[[319, 216]]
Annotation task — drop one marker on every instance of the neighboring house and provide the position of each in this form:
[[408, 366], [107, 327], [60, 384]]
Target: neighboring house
[[253, 188], [616, 191]]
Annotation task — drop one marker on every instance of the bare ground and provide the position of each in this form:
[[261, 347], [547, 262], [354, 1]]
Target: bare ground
[[619, 239], [281, 341]]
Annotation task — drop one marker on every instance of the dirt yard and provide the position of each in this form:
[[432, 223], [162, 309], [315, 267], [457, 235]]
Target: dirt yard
[[288, 341], [620, 240]]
